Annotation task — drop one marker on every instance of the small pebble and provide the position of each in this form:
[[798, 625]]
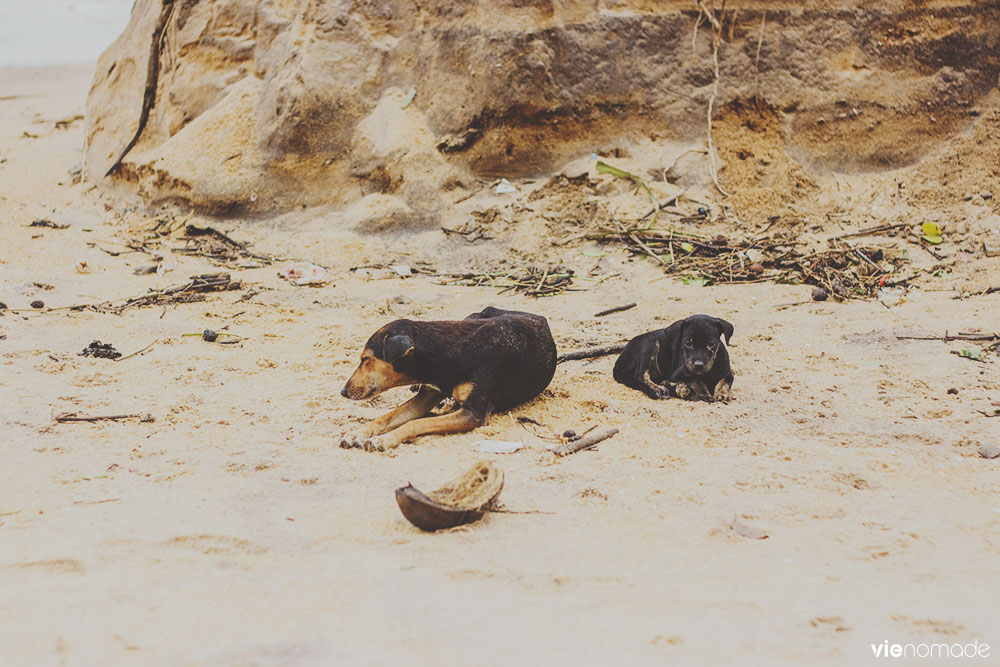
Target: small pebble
[[953, 391], [3, 306], [209, 335], [37, 304], [819, 294], [702, 210], [989, 450], [570, 434]]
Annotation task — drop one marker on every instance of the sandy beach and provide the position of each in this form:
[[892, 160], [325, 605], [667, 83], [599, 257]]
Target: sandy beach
[[232, 530]]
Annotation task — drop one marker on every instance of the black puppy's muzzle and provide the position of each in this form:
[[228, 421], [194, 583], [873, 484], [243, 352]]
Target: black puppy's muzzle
[[700, 365]]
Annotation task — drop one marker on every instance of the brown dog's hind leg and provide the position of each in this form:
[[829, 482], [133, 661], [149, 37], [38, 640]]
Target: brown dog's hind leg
[[453, 422]]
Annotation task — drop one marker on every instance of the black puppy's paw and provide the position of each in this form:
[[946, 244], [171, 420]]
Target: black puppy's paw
[[660, 393], [722, 392], [681, 390]]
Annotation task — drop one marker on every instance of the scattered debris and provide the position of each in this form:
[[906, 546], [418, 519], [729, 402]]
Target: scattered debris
[[583, 442], [990, 450], [843, 270], [209, 335], [616, 309], [531, 281], [461, 501], [74, 417], [49, 224], [100, 350], [38, 304], [185, 293], [305, 273], [746, 530], [146, 269], [81, 266], [496, 446], [212, 244]]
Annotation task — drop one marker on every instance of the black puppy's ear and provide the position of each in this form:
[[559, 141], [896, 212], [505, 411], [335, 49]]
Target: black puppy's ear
[[725, 328], [397, 347]]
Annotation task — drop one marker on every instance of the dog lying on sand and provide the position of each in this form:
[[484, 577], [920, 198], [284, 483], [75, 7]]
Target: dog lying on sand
[[490, 361], [686, 360]]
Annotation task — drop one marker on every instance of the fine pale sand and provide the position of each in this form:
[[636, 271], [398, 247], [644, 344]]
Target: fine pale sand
[[232, 530]]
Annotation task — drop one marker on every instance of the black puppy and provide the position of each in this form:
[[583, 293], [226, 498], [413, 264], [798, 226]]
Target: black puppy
[[682, 360], [492, 360]]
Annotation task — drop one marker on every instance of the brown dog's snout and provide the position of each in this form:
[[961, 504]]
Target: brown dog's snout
[[372, 377]]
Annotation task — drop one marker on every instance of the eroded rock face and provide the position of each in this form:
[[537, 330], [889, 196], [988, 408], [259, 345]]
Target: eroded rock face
[[274, 104]]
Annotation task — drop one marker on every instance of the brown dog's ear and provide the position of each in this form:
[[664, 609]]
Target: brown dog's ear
[[397, 347], [725, 328]]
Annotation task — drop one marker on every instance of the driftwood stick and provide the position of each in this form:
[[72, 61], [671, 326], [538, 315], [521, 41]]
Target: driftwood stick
[[950, 337], [73, 417], [871, 230], [584, 442], [591, 352], [129, 356], [616, 309]]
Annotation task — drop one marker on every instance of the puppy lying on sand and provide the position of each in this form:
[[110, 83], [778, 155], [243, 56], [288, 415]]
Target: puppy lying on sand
[[686, 360], [490, 361]]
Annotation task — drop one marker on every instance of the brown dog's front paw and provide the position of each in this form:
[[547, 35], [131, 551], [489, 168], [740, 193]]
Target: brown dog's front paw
[[378, 443], [681, 390], [722, 392], [353, 440]]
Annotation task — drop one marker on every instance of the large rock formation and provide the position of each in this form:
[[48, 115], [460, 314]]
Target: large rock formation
[[275, 104]]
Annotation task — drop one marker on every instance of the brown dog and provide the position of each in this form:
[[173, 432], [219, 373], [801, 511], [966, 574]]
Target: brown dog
[[493, 360]]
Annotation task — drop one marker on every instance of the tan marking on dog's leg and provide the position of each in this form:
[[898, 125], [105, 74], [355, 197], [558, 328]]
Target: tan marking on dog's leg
[[659, 390], [462, 392], [722, 391], [454, 422], [416, 407]]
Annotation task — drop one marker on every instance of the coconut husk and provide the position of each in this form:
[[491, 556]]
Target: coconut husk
[[463, 500]]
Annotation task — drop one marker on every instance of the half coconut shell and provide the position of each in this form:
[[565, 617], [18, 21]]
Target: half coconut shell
[[461, 501]]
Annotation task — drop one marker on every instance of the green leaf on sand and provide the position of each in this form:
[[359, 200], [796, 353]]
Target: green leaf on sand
[[932, 233], [700, 282], [606, 168]]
